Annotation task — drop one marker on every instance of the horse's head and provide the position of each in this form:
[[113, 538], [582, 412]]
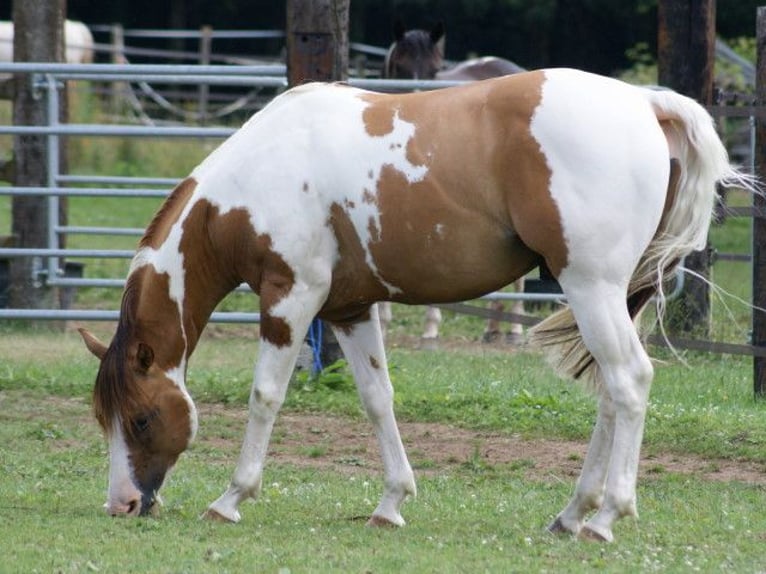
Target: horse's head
[[415, 54], [146, 415]]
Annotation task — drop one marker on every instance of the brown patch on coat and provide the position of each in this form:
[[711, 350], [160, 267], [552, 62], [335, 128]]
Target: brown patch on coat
[[160, 226], [378, 120], [224, 250], [483, 214], [374, 363], [354, 286]]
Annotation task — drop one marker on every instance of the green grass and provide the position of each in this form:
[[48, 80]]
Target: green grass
[[476, 516]]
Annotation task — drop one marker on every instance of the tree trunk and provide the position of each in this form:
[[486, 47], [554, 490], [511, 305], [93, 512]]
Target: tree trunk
[[38, 37]]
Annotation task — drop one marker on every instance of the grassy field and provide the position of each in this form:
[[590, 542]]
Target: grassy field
[[470, 515]]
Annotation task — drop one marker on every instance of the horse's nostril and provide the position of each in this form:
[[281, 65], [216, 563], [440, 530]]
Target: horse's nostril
[[132, 506]]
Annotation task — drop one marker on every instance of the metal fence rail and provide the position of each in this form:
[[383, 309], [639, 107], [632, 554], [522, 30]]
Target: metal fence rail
[[48, 79]]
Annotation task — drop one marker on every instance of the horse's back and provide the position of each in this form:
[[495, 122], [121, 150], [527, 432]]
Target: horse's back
[[489, 177]]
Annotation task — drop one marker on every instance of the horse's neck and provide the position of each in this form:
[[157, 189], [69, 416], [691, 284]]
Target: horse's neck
[[182, 281]]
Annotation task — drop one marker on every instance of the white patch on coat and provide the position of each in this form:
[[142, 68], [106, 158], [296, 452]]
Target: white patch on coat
[[308, 148], [608, 168]]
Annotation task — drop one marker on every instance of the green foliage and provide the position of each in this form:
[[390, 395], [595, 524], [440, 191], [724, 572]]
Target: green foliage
[[333, 377]]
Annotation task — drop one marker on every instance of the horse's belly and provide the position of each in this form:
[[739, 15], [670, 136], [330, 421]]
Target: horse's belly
[[459, 270]]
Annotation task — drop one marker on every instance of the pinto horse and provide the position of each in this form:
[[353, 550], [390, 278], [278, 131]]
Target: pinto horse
[[419, 54], [333, 198]]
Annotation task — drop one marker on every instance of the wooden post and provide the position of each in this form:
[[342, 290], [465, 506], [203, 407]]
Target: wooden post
[[38, 37], [205, 48], [317, 50], [685, 59], [759, 221], [317, 40], [119, 88]]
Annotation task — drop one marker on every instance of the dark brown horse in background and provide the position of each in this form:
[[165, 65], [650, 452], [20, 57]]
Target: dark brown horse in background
[[419, 54]]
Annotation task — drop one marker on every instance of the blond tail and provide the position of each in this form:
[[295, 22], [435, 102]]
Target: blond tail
[[702, 163]]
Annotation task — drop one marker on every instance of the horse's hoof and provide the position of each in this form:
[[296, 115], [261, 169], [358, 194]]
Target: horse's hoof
[[514, 339], [490, 337], [557, 527], [381, 522], [588, 534], [215, 516]]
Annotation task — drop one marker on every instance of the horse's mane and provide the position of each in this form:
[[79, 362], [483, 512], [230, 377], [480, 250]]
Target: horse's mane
[[113, 395], [173, 204]]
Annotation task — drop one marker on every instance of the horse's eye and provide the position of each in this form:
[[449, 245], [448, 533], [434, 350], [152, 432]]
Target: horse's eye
[[141, 424]]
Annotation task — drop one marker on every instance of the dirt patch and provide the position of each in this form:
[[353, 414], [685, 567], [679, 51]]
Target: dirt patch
[[348, 445]]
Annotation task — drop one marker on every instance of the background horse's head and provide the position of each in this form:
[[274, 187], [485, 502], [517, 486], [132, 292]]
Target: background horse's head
[[415, 54], [146, 414]]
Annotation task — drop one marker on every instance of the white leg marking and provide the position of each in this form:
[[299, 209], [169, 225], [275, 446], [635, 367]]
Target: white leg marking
[[433, 320], [363, 347], [627, 373], [272, 375], [589, 492], [516, 333], [384, 310]]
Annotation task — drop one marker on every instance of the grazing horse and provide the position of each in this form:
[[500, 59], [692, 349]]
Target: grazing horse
[[419, 54], [332, 198]]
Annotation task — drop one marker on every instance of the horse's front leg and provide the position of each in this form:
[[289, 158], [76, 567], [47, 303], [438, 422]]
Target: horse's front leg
[[362, 344], [281, 339]]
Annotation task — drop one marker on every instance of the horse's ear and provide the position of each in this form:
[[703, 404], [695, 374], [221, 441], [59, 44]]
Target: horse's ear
[[144, 356], [437, 32], [92, 343], [399, 29]]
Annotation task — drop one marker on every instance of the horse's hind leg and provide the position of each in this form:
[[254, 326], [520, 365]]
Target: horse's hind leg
[[610, 470], [363, 346], [516, 333], [589, 492]]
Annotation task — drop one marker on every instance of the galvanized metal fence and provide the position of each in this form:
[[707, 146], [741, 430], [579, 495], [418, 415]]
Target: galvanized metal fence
[[48, 80]]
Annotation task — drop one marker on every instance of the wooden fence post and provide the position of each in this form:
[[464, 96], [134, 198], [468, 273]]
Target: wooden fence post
[[205, 48], [685, 59], [759, 220], [117, 56], [317, 40], [38, 37], [317, 50]]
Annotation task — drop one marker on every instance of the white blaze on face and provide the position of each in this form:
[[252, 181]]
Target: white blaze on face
[[122, 489]]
